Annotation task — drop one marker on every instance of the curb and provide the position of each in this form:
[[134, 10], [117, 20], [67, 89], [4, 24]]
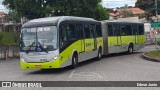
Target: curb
[[150, 58]]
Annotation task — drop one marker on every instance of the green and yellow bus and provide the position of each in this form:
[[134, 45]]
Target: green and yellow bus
[[57, 42]]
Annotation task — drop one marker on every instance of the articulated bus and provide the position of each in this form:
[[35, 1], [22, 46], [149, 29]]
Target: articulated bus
[[57, 42]]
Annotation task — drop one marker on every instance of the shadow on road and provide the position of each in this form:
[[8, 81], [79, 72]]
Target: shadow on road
[[51, 71], [106, 57], [66, 69]]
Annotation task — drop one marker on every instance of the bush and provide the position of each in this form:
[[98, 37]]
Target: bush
[[158, 42], [9, 38]]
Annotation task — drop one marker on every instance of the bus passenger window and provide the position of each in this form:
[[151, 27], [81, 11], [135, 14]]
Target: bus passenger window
[[135, 29], [110, 30], [98, 31], [87, 31], [116, 30], [129, 30], [71, 32], [141, 30], [124, 29], [63, 35], [79, 31]]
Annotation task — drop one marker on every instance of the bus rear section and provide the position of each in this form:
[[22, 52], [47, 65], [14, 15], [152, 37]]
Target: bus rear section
[[122, 36], [58, 42]]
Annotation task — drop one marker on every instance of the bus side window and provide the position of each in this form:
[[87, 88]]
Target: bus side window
[[110, 30], [71, 32], [124, 29], [79, 31], [116, 30], [141, 30], [129, 30], [91, 28], [87, 32], [63, 35], [135, 29], [98, 31]]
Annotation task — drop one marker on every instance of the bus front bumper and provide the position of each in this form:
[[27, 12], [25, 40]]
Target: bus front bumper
[[45, 65]]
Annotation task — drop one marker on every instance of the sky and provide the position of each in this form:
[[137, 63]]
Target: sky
[[117, 3], [2, 8], [105, 3]]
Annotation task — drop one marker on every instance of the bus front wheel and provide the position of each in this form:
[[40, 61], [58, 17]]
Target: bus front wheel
[[74, 61]]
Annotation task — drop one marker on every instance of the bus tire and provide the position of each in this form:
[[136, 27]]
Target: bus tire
[[130, 49], [99, 56], [74, 61]]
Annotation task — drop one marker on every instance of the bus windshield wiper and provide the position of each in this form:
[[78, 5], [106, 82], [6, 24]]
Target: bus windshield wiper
[[42, 47], [29, 49]]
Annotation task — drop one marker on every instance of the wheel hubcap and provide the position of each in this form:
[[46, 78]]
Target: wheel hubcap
[[130, 49], [99, 54]]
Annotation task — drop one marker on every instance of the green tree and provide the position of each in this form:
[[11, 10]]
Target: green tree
[[29, 8], [42, 8], [148, 5], [12, 16]]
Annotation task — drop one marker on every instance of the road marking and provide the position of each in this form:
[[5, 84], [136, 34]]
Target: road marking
[[84, 74]]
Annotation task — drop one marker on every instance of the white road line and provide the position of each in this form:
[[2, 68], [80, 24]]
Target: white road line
[[85, 74], [70, 76]]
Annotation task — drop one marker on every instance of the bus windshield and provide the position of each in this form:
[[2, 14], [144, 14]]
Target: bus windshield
[[39, 39]]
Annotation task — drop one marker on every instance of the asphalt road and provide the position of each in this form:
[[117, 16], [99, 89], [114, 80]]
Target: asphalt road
[[115, 67]]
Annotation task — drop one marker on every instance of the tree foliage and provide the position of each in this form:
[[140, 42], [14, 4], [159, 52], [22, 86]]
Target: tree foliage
[[12, 16], [42, 8], [148, 5]]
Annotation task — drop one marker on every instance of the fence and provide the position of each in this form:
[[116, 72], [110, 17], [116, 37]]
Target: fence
[[9, 52], [152, 41]]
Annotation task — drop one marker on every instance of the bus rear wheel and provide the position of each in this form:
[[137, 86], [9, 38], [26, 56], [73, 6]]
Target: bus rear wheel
[[130, 49], [74, 61], [99, 56]]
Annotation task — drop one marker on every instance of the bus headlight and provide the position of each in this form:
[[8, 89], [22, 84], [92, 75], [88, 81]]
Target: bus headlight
[[54, 58], [23, 60]]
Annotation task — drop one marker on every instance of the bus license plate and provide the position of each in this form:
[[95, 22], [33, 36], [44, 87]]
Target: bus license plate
[[38, 66]]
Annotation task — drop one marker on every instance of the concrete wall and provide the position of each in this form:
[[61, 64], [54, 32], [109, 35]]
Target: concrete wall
[[7, 52]]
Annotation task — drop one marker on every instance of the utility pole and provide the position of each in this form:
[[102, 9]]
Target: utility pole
[[156, 21], [156, 10]]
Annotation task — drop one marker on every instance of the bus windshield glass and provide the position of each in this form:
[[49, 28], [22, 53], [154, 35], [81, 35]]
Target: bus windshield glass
[[39, 39]]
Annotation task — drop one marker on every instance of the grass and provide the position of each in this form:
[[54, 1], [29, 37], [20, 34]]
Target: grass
[[9, 38], [154, 54]]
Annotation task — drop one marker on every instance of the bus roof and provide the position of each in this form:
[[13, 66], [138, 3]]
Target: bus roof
[[118, 21], [54, 21]]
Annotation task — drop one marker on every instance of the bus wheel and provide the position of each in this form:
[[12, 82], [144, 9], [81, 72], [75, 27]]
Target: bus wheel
[[74, 61], [130, 49], [99, 56]]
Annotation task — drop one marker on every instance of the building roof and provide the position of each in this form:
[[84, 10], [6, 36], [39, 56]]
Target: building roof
[[2, 14], [133, 10], [137, 10], [112, 14]]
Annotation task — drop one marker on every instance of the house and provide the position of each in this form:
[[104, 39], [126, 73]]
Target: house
[[126, 12], [2, 16]]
